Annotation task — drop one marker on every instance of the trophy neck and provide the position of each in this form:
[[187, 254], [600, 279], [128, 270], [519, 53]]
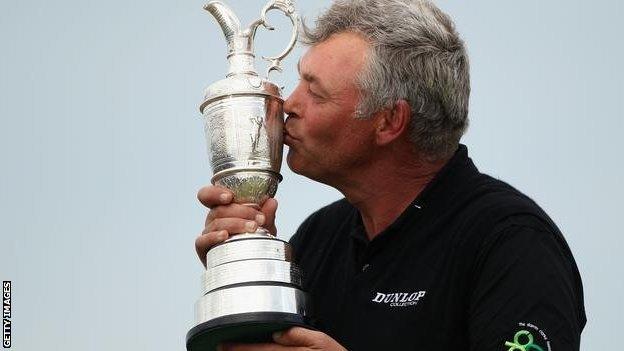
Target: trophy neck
[[242, 63], [240, 41]]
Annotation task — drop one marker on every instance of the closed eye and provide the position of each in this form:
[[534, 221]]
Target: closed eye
[[315, 95]]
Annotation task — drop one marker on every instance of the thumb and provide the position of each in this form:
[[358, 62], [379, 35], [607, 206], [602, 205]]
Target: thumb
[[269, 207], [296, 336]]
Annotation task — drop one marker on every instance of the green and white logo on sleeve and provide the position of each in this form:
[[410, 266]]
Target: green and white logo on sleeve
[[528, 338]]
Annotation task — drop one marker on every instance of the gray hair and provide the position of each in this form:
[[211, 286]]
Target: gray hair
[[416, 55]]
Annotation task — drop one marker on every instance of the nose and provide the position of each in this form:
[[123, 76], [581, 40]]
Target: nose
[[289, 104], [292, 105]]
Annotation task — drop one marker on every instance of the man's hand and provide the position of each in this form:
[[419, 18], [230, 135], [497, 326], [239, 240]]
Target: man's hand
[[227, 218], [294, 339]]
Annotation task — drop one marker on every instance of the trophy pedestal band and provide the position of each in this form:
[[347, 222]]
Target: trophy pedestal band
[[251, 288], [247, 314], [254, 327], [248, 246], [259, 297], [256, 271]]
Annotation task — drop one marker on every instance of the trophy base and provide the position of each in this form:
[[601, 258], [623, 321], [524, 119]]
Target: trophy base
[[254, 327], [251, 289]]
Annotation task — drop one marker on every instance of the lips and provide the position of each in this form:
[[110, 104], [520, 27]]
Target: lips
[[288, 138]]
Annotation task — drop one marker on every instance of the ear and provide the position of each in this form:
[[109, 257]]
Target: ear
[[393, 123]]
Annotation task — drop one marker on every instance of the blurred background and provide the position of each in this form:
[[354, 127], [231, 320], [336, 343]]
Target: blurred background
[[102, 152]]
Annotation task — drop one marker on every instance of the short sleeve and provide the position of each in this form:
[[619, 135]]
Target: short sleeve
[[527, 293]]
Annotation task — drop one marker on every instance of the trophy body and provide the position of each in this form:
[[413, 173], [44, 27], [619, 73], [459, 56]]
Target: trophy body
[[251, 287]]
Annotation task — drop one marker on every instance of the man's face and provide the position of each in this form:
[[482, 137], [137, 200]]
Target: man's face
[[326, 143]]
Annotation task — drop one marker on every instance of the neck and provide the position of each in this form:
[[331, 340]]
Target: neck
[[388, 187]]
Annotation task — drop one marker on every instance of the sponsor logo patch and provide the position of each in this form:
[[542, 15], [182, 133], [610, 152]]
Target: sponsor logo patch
[[528, 338], [399, 299]]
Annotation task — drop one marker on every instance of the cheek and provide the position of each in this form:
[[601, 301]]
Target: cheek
[[326, 126], [321, 128]]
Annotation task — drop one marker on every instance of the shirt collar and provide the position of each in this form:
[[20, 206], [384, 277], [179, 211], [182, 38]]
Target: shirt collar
[[458, 167]]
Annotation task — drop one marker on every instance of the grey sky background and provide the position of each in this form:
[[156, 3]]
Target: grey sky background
[[102, 152]]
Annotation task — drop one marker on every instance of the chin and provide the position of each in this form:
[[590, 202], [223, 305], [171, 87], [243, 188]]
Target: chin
[[293, 169], [299, 168], [292, 164], [302, 171]]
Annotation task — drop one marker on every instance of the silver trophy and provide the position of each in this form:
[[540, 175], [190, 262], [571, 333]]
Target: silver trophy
[[251, 287]]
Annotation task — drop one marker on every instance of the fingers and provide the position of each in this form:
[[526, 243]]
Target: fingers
[[231, 225], [234, 219], [298, 336], [227, 218], [212, 196], [252, 347], [237, 216], [269, 207], [208, 240], [218, 230]]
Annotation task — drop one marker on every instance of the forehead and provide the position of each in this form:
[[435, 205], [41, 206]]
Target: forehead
[[336, 60]]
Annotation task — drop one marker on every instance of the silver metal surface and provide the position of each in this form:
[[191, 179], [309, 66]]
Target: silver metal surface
[[244, 117], [241, 41], [248, 249], [240, 85], [260, 233], [246, 299], [245, 140], [240, 272], [244, 121]]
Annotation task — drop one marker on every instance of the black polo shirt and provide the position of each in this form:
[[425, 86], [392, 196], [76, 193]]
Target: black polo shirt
[[471, 264]]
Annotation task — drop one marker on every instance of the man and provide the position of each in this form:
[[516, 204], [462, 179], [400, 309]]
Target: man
[[424, 252]]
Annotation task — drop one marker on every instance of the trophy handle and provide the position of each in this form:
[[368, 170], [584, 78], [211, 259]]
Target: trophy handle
[[288, 8]]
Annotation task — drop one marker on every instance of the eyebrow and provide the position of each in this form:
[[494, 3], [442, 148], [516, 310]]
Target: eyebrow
[[308, 77]]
